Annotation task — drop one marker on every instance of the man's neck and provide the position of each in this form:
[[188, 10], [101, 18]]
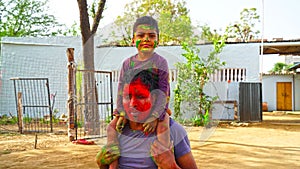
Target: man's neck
[[135, 126]]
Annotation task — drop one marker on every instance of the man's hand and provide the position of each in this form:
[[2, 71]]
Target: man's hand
[[163, 156], [107, 155]]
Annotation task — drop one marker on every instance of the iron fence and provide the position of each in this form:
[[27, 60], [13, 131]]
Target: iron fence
[[89, 115], [32, 97]]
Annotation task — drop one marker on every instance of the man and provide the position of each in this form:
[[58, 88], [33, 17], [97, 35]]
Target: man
[[137, 148]]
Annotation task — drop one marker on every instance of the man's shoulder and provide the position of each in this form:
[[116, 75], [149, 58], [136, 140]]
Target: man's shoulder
[[175, 127]]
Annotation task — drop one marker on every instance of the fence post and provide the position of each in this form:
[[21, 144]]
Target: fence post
[[71, 93], [20, 112]]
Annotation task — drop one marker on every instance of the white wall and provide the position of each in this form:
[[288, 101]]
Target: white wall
[[297, 92], [239, 56], [269, 88], [46, 57]]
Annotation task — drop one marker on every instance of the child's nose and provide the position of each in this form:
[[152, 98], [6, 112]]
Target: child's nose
[[146, 37]]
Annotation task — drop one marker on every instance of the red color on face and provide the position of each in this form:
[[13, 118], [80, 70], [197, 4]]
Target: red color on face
[[137, 101]]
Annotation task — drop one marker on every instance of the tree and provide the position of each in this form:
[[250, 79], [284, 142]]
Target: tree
[[88, 31], [26, 18], [209, 35], [280, 68], [173, 20], [244, 29], [192, 77]]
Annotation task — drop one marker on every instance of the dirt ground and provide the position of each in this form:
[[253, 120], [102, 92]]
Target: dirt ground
[[273, 143]]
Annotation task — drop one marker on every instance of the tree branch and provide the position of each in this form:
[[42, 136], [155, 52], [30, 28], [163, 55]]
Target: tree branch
[[98, 16], [84, 20]]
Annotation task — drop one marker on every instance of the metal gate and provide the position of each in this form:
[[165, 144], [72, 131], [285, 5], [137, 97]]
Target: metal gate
[[32, 96], [250, 102], [103, 106]]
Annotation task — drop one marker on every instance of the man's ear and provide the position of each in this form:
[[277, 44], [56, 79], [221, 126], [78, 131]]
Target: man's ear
[[153, 97]]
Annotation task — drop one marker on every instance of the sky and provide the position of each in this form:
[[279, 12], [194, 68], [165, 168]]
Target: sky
[[279, 18]]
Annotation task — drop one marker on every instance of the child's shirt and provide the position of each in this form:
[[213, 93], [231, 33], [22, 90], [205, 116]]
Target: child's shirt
[[159, 66]]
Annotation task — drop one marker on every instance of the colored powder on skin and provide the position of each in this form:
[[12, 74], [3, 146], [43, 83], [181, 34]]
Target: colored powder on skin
[[147, 27], [137, 43], [155, 44], [144, 49]]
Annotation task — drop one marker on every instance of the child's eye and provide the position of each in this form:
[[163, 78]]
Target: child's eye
[[140, 35], [152, 36]]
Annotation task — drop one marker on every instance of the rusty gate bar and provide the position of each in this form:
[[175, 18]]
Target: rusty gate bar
[[104, 96], [36, 104]]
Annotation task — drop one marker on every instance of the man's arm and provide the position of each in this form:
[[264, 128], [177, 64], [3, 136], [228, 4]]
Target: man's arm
[[187, 161], [164, 158]]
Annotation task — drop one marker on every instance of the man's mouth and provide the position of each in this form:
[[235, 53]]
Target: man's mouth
[[134, 114]]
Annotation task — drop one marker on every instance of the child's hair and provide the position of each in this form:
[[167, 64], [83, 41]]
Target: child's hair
[[146, 76], [146, 20]]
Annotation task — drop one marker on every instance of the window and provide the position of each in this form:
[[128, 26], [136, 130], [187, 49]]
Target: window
[[229, 74]]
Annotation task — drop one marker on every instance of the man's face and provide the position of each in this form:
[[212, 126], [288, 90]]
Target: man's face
[[145, 38], [137, 101]]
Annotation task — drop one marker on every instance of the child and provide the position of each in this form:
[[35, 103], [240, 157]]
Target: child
[[145, 39]]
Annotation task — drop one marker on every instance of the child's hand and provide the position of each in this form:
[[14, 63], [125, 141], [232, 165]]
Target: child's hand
[[150, 125], [107, 155], [120, 123]]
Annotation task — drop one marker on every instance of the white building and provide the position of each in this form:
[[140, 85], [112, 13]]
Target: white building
[[46, 57]]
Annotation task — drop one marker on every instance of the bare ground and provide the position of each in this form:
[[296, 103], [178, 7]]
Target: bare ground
[[273, 143]]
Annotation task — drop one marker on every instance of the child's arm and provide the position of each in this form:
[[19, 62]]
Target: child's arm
[[119, 112], [163, 94]]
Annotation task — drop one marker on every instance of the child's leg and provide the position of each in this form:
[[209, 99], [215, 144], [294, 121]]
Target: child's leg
[[163, 131], [112, 138], [111, 132]]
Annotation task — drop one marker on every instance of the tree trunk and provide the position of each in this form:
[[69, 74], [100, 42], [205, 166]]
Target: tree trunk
[[92, 118]]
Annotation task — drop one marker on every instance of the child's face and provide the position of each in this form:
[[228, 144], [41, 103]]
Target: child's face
[[137, 101], [145, 38]]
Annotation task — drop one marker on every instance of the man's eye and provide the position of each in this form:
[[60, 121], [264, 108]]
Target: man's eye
[[127, 97], [141, 97]]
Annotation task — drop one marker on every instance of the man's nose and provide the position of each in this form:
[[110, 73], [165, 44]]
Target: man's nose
[[133, 102]]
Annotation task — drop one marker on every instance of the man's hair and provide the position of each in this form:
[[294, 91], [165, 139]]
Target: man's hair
[[146, 20], [147, 77]]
